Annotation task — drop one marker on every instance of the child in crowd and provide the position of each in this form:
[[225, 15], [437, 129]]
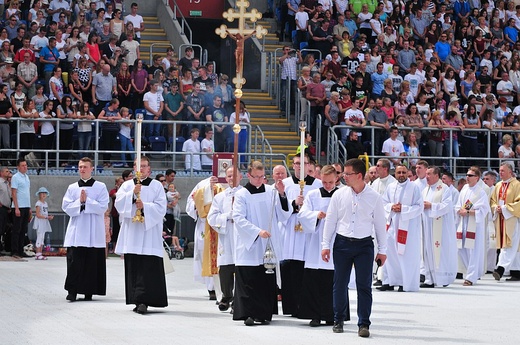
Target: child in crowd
[[125, 136], [39, 99], [207, 145], [192, 145], [41, 223], [172, 213]]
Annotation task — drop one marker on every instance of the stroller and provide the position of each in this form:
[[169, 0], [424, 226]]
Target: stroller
[[169, 239]]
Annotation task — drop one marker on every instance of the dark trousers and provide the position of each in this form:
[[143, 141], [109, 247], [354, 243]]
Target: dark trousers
[[226, 274], [360, 253], [3, 223], [19, 231], [26, 143]]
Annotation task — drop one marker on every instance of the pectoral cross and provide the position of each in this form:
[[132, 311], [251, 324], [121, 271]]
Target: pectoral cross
[[437, 244], [239, 35]]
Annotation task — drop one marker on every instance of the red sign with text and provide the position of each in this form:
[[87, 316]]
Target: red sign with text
[[207, 9]]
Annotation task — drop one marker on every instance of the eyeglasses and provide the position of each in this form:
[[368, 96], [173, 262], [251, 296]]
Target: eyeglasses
[[161, 180], [257, 177], [62, 16], [349, 174], [470, 175], [298, 163]]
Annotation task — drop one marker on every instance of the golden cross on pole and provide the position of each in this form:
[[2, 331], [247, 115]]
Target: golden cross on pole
[[239, 34]]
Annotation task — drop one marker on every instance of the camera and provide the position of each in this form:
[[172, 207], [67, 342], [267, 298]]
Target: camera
[[292, 52]]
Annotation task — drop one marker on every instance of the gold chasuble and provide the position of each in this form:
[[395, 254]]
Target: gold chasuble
[[506, 195], [203, 198]]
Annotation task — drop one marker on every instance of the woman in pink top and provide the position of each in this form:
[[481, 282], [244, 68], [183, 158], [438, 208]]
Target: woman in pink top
[[139, 84]]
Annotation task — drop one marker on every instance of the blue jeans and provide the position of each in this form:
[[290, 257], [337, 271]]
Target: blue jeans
[[151, 129], [126, 145], [360, 253], [83, 143]]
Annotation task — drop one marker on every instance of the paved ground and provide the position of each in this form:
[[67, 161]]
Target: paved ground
[[34, 311]]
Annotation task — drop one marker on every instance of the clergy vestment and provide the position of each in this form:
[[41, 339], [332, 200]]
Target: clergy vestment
[[439, 239], [293, 243], [403, 235], [200, 226], [471, 230], [318, 276], [381, 184], [220, 218], [507, 233], [142, 243], [85, 238], [255, 290]]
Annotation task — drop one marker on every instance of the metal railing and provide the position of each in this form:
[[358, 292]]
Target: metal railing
[[97, 132], [161, 44], [337, 151], [185, 27]]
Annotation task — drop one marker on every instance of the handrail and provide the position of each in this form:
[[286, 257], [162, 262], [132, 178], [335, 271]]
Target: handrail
[[161, 44], [449, 140], [185, 27]]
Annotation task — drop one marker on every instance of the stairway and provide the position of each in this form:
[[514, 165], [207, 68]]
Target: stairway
[[276, 129], [153, 33]]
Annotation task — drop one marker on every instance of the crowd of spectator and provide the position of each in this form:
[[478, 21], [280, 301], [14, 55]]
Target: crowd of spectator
[[79, 61], [437, 64]]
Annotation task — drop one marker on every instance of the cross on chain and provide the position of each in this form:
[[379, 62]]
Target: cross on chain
[[437, 244]]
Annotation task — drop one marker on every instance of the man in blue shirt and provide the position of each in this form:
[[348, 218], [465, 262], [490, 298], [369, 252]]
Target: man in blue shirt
[[21, 194], [378, 79], [442, 47], [49, 59]]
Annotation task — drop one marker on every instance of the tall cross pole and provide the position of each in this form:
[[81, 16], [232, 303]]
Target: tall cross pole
[[239, 35]]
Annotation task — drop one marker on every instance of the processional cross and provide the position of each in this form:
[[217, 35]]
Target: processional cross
[[239, 35]]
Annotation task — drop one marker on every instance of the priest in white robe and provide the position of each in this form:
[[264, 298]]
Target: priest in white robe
[[404, 204], [505, 204], [200, 226], [318, 276], [257, 210], [85, 202], [384, 179], [142, 242], [220, 218], [293, 241], [472, 209], [439, 238]]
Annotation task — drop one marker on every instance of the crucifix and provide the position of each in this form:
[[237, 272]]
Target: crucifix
[[239, 35]]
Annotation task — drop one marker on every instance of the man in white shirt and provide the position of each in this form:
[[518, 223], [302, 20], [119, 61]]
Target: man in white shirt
[[208, 147], [351, 220], [192, 145], [154, 105], [137, 20], [393, 148]]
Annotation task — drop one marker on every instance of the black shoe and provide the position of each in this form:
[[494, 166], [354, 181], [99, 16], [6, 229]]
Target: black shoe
[[329, 323], [424, 285], [71, 297], [212, 295], [88, 298], [249, 321], [385, 287], [142, 309], [400, 289], [223, 306], [459, 276], [513, 279], [135, 309], [315, 323], [378, 283], [338, 327], [496, 275], [422, 278], [363, 331], [263, 322]]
